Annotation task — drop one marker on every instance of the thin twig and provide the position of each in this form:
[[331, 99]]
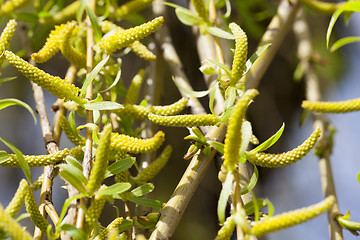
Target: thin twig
[[302, 32], [175, 207], [89, 114], [274, 34]]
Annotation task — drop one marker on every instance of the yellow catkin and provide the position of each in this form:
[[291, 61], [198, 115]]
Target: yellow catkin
[[287, 158], [51, 46], [185, 120], [70, 53], [18, 200], [95, 209], [131, 7], [32, 208], [36, 185], [137, 47], [323, 7], [226, 231], [240, 54], [134, 89], [75, 138], [122, 177], [11, 6], [55, 85], [121, 39], [121, 142], [37, 160], [64, 15], [114, 224], [102, 157], [171, 109], [254, 140], [333, 107], [233, 134], [11, 227], [6, 37], [199, 6], [291, 218], [154, 168]]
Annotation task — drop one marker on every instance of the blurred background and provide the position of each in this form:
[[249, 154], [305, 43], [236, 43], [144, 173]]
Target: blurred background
[[279, 102]]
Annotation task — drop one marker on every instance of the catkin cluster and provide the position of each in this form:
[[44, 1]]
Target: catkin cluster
[[333, 107], [287, 158], [185, 120], [291, 218], [121, 39]]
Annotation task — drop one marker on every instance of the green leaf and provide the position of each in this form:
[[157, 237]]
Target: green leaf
[[343, 41], [12, 101], [246, 132], [187, 17], [117, 79], [114, 190], [94, 23], [219, 32], [268, 143], [227, 114], [207, 69], [80, 11], [26, 17], [74, 176], [192, 93], [224, 196], [105, 105], [212, 97], [23, 164], [6, 79], [73, 232], [255, 56], [222, 66], [249, 207], [92, 75], [230, 96], [349, 6], [125, 225], [156, 204], [253, 180], [72, 161], [94, 128], [119, 166], [66, 206], [358, 177], [217, 145], [4, 157], [142, 190]]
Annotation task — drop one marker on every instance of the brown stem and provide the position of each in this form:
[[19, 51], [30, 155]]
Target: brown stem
[[274, 34], [302, 32]]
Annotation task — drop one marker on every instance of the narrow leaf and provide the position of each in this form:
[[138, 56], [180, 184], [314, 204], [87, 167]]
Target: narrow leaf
[[249, 207], [222, 66], [23, 164], [190, 92], [4, 156], [117, 79], [253, 180], [255, 56], [146, 202], [94, 23], [6, 79], [105, 105], [212, 97], [218, 146], [143, 189], [74, 176], [224, 196], [12, 101], [187, 17], [349, 6], [343, 41], [246, 132], [114, 190], [67, 204], [72, 161], [358, 177], [80, 11], [119, 166], [73, 232], [125, 225], [220, 33], [268, 143], [92, 75], [230, 96]]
